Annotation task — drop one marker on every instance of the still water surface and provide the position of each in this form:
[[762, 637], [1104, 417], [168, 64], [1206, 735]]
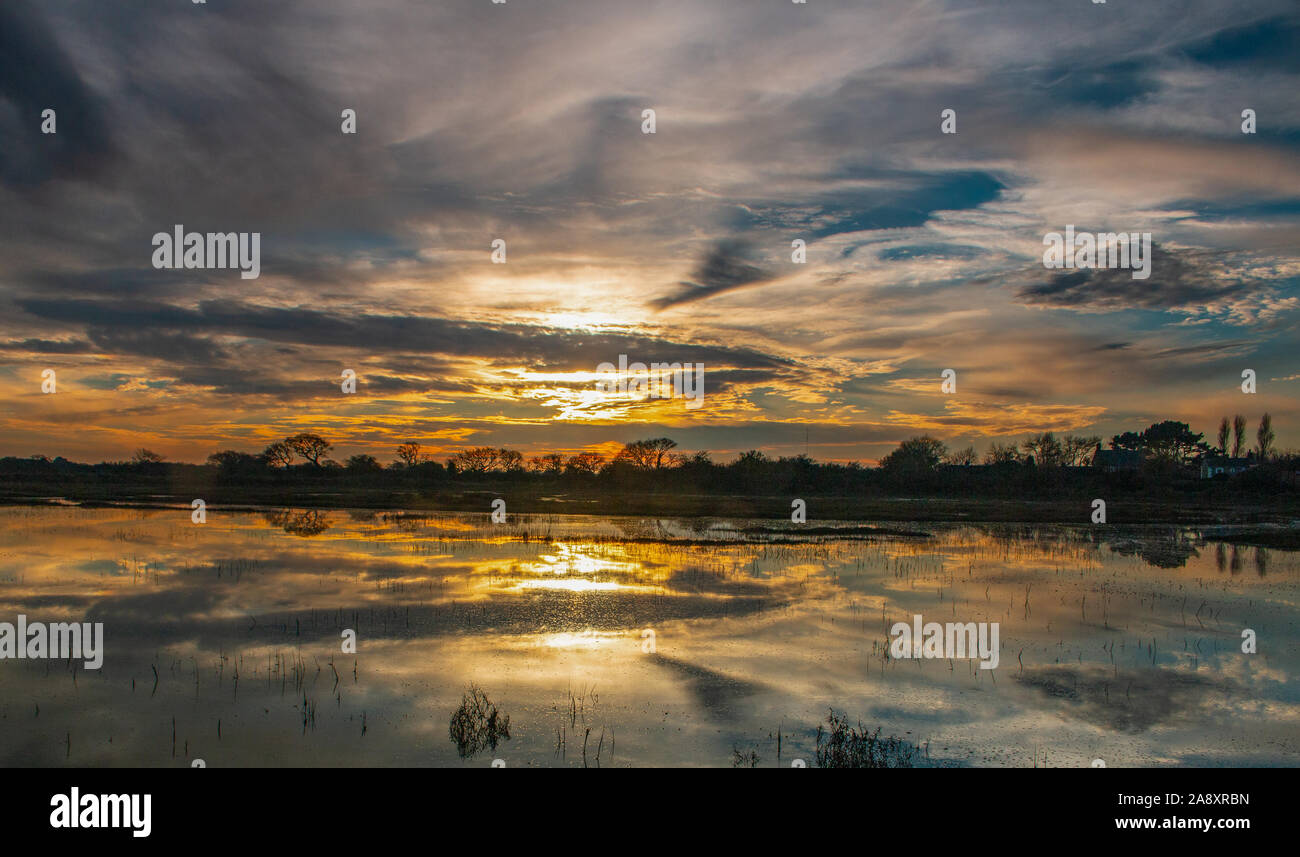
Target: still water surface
[[223, 641]]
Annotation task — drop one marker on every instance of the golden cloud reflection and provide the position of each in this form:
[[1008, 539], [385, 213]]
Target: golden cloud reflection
[[1103, 652], [570, 585]]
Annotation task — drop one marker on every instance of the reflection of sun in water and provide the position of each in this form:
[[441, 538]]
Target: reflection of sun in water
[[570, 585], [578, 560], [571, 640], [572, 567]]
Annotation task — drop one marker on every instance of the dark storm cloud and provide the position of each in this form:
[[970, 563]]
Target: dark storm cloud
[[1271, 43], [35, 74], [48, 346], [1178, 278], [728, 265], [172, 347], [159, 329], [232, 380], [292, 260]]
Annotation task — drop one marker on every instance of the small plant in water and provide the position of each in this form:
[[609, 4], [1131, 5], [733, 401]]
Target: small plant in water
[[747, 759], [477, 724], [841, 746]]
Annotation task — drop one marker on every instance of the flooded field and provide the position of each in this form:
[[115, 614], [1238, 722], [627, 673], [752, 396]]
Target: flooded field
[[618, 642]]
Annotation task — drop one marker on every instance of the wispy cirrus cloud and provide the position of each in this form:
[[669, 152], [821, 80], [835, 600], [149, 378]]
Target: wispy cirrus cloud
[[817, 122]]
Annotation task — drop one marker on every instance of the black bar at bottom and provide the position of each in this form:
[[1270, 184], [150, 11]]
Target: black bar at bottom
[[330, 807]]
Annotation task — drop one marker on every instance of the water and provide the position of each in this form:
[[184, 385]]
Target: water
[[1123, 646]]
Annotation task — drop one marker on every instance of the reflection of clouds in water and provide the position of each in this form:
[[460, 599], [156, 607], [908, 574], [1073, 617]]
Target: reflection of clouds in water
[[751, 638], [1131, 701], [719, 695]]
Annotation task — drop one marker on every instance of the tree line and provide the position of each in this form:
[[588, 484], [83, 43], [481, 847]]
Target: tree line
[[1166, 447], [1168, 442]]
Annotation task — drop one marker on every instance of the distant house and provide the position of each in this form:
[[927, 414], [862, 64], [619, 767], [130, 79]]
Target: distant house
[[1215, 465], [1115, 460]]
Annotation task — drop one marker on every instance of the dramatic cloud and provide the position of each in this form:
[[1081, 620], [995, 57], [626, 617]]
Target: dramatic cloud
[[523, 122]]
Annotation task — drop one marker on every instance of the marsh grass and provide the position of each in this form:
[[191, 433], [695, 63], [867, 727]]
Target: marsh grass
[[840, 745], [477, 724]]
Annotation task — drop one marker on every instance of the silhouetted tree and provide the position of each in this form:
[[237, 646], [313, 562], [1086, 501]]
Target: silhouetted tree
[[551, 464], [1238, 435], [1129, 440], [1264, 437], [1078, 450], [364, 464], [510, 460], [917, 454], [487, 459], [1224, 430], [1169, 441], [278, 454], [589, 463], [1172, 441], [475, 461], [309, 446], [963, 457], [1000, 453], [230, 462], [409, 453], [1045, 449], [646, 454]]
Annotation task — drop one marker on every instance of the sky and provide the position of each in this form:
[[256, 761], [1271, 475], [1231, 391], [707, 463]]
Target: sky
[[523, 121]]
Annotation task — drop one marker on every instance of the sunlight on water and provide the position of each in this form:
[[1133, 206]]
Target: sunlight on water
[[666, 642]]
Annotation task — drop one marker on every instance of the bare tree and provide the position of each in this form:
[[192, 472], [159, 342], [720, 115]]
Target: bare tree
[[962, 457], [1000, 453], [585, 462], [550, 464], [1078, 450], [478, 460], [1238, 435], [1045, 449], [1225, 429], [409, 453], [309, 446], [1264, 437], [488, 459], [278, 454], [146, 456], [646, 454], [510, 460]]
